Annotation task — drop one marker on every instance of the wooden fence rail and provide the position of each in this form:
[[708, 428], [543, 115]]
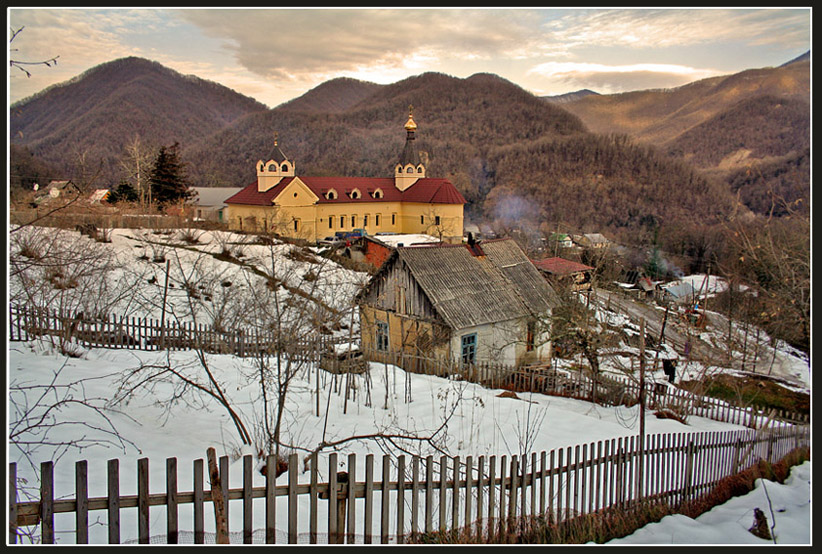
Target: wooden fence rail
[[427, 495]]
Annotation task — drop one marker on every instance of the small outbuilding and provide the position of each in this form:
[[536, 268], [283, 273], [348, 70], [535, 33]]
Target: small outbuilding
[[562, 272]]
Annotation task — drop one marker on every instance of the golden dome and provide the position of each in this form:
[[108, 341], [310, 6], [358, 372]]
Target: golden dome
[[410, 125]]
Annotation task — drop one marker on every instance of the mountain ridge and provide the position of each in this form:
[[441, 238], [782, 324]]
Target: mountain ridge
[[493, 139]]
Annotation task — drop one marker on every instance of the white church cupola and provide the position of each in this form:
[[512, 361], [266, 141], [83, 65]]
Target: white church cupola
[[409, 168], [277, 166]]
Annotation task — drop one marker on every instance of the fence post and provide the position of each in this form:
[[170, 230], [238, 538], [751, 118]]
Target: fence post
[[248, 519], [689, 468], [12, 503], [142, 501], [333, 531], [81, 495], [293, 468], [350, 496], [384, 489], [369, 498], [217, 501], [47, 502], [401, 500]]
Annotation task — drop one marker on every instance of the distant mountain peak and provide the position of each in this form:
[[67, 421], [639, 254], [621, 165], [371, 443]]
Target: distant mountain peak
[[803, 58], [570, 96]]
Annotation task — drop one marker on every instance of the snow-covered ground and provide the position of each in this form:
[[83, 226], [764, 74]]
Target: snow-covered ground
[[786, 506], [161, 421]]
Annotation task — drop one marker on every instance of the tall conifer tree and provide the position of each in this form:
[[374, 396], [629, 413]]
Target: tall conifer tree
[[168, 179]]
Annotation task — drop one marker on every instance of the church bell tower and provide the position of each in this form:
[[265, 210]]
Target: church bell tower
[[409, 168]]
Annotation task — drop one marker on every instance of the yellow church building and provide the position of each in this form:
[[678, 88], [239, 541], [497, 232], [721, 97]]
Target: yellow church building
[[311, 208]]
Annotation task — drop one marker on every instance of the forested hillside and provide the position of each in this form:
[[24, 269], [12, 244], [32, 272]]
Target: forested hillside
[[83, 126], [751, 128]]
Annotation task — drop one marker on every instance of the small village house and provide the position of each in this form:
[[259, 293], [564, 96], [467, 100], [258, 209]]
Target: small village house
[[209, 204], [566, 273], [478, 302], [311, 208], [591, 240]]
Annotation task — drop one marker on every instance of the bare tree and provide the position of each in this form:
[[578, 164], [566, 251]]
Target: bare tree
[[136, 165], [21, 64], [47, 420]]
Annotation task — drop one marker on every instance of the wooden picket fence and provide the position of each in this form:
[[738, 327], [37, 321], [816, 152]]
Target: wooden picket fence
[[119, 332], [607, 389], [415, 496]]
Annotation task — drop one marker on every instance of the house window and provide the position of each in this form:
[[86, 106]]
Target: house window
[[436, 220], [365, 220], [353, 220], [296, 225], [530, 331], [377, 220], [382, 336], [331, 222], [393, 219], [422, 220], [469, 348], [342, 221]]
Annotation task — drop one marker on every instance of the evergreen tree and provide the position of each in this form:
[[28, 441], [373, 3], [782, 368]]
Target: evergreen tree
[[168, 179], [123, 193]]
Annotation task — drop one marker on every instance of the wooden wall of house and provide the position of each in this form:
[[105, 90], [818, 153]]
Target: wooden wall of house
[[405, 334], [396, 290]]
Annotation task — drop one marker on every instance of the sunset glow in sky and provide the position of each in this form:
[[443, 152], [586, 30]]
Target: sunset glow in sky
[[274, 55]]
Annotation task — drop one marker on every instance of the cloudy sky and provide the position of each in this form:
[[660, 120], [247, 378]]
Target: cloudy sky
[[274, 55]]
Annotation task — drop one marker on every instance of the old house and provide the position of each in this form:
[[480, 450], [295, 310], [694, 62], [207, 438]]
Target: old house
[[562, 272], [283, 202], [591, 240], [467, 303], [209, 204]]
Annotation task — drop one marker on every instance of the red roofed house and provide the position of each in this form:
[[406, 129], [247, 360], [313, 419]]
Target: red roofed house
[[311, 208], [562, 271]]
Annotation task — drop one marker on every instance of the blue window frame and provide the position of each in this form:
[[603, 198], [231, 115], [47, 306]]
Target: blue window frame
[[382, 336], [469, 348]]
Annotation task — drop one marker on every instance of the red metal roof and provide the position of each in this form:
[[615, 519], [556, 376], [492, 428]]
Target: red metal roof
[[425, 191], [560, 266]]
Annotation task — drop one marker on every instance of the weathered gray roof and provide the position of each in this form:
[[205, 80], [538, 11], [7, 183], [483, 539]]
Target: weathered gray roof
[[469, 290], [214, 196]]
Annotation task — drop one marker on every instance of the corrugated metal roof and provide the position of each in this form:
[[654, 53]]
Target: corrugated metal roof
[[468, 290]]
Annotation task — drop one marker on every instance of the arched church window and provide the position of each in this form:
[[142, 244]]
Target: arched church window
[[272, 167], [409, 170], [285, 167]]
